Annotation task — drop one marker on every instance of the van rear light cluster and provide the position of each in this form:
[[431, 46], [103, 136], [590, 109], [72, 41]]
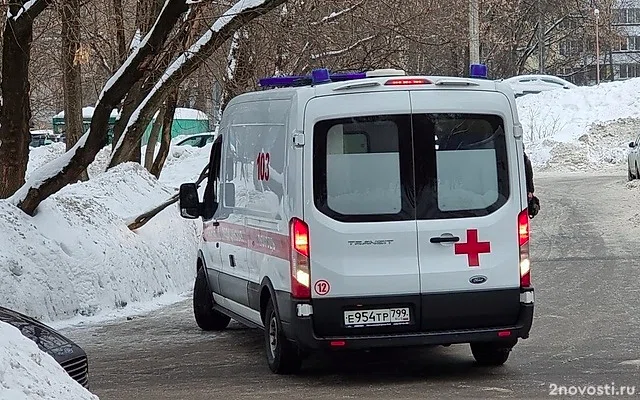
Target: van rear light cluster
[[524, 234], [299, 259]]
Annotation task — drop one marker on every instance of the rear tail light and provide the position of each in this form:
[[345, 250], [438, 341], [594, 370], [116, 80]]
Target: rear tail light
[[407, 81], [524, 233], [299, 259]]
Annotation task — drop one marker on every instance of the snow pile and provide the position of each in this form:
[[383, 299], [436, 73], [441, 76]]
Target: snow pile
[[581, 128], [27, 373], [183, 163], [77, 257]]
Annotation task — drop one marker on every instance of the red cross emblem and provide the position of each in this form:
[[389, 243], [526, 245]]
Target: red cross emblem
[[473, 248]]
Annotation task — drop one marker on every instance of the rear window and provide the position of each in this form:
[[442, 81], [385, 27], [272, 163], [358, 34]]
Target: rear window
[[400, 167], [363, 168], [462, 165]]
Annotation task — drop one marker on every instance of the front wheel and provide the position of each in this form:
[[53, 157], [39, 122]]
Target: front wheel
[[490, 354], [207, 318], [283, 356]]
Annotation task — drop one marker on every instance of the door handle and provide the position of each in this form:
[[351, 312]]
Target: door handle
[[232, 261], [444, 239]]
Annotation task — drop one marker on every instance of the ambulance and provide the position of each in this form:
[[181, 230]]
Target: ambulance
[[366, 210]]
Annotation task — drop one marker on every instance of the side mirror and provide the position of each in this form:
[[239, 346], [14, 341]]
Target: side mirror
[[189, 202], [229, 195], [632, 145]]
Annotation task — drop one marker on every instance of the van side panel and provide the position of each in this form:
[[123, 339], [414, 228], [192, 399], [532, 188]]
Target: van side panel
[[254, 221]]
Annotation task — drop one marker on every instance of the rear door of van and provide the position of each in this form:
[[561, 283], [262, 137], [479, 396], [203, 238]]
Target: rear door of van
[[468, 197], [360, 212]]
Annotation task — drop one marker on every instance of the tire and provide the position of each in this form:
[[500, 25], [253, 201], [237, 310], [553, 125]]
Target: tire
[[490, 354], [283, 356], [206, 317]]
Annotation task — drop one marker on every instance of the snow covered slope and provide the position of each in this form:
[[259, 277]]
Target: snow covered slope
[[587, 128], [77, 257], [27, 373]]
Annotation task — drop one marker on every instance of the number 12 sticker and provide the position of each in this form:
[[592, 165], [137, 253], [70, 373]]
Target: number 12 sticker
[[322, 287]]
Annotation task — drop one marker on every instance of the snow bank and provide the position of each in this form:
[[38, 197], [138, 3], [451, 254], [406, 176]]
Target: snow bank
[[190, 113], [87, 113], [77, 257], [585, 127], [183, 163], [27, 373]]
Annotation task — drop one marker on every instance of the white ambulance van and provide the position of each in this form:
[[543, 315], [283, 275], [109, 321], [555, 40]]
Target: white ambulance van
[[355, 211]]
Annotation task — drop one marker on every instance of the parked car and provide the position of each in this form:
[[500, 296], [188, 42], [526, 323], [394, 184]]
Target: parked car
[[532, 84], [199, 140], [68, 354], [633, 160]]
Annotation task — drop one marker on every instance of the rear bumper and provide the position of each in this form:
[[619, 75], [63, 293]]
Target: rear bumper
[[300, 329]]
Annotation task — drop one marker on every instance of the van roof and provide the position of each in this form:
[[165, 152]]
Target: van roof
[[281, 88]]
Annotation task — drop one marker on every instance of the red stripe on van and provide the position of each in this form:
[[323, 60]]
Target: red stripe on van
[[263, 241]]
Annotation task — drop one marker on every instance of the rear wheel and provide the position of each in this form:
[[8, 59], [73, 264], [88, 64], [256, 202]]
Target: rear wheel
[[490, 354], [283, 356], [206, 317]]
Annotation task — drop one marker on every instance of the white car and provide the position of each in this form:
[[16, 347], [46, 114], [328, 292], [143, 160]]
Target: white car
[[633, 160], [355, 211], [532, 84]]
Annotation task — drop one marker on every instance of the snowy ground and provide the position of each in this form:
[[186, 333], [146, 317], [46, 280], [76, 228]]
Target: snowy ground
[[26, 373], [77, 261], [583, 129]]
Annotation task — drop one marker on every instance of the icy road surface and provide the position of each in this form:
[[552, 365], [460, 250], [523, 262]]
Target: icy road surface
[[586, 252]]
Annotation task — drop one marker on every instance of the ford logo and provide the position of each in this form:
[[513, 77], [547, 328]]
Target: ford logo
[[478, 279]]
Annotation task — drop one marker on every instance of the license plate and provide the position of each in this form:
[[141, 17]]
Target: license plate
[[384, 316]]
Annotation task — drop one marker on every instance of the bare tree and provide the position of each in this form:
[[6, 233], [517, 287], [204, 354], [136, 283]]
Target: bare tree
[[68, 167], [15, 116], [167, 123], [188, 62], [153, 139], [72, 73]]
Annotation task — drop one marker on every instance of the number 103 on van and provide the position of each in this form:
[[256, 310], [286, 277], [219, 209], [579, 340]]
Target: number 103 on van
[[385, 316]]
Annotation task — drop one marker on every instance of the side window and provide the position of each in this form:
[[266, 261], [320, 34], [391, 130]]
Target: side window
[[191, 142], [213, 178], [256, 155]]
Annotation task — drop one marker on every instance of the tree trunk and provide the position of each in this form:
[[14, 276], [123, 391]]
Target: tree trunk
[[187, 63], [67, 168], [120, 36], [153, 140], [146, 12], [15, 116], [72, 74], [167, 123]]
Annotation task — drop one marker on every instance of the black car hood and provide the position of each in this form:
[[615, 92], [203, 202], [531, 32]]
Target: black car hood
[[47, 339]]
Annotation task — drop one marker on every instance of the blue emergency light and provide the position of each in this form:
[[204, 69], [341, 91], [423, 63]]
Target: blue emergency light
[[317, 77], [478, 71]]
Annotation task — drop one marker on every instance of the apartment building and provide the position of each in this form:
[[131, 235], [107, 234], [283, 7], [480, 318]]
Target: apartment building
[[626, 56]]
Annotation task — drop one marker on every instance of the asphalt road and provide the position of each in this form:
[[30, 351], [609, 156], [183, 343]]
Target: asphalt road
[[585, 333]]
